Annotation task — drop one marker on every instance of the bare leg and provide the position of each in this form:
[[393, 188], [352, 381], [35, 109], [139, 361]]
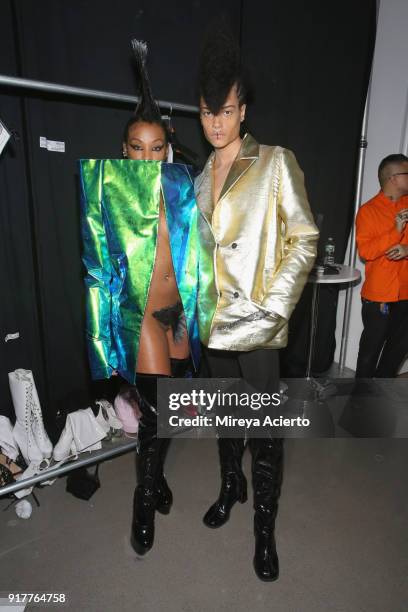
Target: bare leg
[[153, 357], [179, 349]]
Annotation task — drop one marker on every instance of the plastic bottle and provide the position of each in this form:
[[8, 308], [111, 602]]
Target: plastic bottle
[[329, 249]]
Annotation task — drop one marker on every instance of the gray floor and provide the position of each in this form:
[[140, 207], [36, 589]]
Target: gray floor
[[341, 533]]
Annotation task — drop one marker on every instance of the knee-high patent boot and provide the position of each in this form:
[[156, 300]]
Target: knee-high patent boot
[[267, 473], [179, 369], [146, 494], [165, 496], [233, 482], [145, 497]]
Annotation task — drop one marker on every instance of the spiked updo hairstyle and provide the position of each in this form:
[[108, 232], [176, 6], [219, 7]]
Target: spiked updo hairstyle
[[220, 68], [147, 109]]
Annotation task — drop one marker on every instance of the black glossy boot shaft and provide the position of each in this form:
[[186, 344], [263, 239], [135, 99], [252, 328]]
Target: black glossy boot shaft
[[233, 482], [267, 474]]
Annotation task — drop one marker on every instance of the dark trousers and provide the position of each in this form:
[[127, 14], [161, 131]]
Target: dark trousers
[[386, 331], [260, 369]]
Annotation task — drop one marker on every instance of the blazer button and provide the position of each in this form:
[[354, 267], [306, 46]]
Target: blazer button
[[236, 294], [234, 245]]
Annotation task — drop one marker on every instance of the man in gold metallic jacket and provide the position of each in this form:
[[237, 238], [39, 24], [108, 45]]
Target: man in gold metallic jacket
[[257, 247]]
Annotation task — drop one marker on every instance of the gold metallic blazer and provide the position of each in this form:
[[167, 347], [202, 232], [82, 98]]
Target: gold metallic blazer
[[257, 247]]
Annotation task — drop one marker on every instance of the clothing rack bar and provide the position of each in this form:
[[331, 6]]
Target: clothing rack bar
[[88, 459], [10, 81]]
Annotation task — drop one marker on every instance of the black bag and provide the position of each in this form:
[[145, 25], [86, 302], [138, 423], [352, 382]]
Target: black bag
[[82, 484]]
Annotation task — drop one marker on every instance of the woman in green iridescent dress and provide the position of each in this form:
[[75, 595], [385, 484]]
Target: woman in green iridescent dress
[[140, 238]]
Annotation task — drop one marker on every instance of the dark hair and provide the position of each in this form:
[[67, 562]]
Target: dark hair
[[147, 109], [394, 158], [220, 68]]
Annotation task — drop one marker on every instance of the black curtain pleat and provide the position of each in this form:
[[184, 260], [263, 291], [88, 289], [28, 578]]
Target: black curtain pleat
[[18, 281]]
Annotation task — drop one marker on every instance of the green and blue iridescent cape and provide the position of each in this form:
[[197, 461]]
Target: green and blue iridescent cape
[[120, 202]]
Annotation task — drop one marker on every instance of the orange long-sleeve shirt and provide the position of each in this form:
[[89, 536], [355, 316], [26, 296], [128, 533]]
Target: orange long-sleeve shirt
[[385, 280]]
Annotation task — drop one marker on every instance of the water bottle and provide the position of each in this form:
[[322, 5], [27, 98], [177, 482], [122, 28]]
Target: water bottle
[[329, 249]]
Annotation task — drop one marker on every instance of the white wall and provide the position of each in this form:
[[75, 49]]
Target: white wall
[[387, 132]]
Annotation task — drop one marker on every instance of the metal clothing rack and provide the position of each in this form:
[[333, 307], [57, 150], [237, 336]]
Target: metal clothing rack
[[109, 449], [44, 86]]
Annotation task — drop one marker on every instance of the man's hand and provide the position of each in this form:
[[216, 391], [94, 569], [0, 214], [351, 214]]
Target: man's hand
[[401, 220], [397, 252]]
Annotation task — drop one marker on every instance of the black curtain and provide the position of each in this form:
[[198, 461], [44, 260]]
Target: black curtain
[[309, 65], [20, 287]]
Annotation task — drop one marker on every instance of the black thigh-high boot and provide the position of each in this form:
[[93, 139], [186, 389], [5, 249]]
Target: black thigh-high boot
[[165, 496], [267, 474], [233, 482], [179, 369], [146, 495]]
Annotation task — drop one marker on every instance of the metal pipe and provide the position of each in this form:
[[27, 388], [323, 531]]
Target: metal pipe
[[357, 204], [11, 81], [313, 327], [93, 457], [404, 133], [353, 247]]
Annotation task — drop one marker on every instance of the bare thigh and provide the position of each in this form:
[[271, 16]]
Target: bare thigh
[[154, 354]]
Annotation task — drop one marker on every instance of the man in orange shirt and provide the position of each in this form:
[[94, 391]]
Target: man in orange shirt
[[382, 240]]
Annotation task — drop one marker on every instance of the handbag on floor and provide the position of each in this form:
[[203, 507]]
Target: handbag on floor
[[82, 484]]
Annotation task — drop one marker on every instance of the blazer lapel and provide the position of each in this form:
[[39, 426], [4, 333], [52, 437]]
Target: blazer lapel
[[248, 154]]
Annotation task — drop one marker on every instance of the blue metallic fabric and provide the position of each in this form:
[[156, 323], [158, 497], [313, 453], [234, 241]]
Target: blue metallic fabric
[[120, 202]]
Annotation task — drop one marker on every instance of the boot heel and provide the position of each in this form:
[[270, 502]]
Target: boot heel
[[165, 496], [244, 495], [163, 509]]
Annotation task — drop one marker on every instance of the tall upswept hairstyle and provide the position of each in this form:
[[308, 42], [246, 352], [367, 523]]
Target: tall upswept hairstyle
[[147, 109], [220, 68]]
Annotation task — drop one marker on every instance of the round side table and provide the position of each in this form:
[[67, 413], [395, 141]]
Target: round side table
[[346, 274]]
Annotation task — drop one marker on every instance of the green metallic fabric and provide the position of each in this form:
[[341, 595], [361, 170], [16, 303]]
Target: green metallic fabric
[[120, 213]]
